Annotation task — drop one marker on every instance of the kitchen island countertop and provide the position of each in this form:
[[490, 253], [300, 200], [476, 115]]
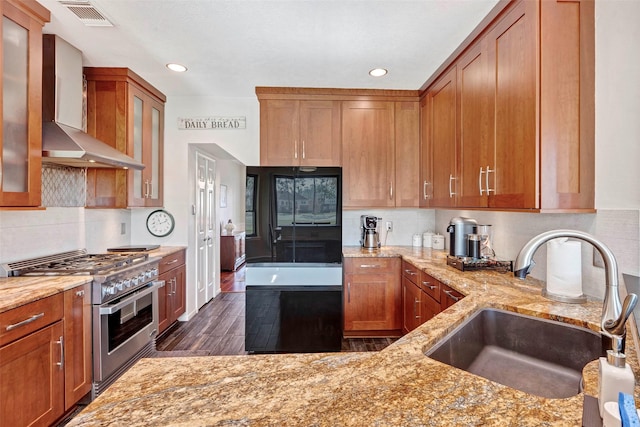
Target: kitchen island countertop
[[397, 386]]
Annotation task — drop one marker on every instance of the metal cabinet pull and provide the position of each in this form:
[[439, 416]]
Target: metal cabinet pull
[[295, 149], [150, 189], [61, 342], [416, 301], [173, 261], [370, 266], [348, 292], [451, 178], [480, 180], [80, 294], [390, 190], [450, 295], [424, 189], [303, 154], [410, 272], [489, 190], [429, 285], [25, 322]]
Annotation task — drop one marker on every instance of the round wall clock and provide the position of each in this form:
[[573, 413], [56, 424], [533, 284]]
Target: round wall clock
[[160, 223]]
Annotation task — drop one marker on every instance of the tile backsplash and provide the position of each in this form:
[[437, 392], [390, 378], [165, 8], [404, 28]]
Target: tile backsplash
[[63, 186]]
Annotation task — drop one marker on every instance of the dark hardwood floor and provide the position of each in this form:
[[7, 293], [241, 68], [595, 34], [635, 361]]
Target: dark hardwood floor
[[218, 328]]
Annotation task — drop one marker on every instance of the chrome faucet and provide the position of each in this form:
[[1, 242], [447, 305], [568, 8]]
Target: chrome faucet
[[614, 318]]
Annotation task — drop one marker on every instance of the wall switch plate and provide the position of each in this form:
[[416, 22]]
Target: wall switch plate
[[389, 226]]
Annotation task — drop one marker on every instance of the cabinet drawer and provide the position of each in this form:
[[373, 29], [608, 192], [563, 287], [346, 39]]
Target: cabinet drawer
[[370, 265], [430, 286], [411, 272], [449, 296], [172, 261], [23, 320]]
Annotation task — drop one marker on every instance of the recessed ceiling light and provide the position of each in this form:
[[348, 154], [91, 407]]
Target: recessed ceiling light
[[378, 72], [178, 68]]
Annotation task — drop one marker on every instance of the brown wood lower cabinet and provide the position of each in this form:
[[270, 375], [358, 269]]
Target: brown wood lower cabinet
[[171, 297], [372, 297], [77, 344], [32, 367]]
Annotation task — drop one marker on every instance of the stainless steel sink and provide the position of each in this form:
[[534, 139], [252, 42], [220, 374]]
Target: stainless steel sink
[[537, 356]]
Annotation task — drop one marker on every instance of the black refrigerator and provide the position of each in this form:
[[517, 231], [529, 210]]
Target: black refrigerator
[[293, 223]]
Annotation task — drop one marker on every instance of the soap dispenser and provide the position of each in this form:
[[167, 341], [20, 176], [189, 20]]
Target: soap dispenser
[[614, 376]]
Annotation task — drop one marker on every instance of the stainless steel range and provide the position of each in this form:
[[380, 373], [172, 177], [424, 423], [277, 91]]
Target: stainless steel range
[[125, 304]]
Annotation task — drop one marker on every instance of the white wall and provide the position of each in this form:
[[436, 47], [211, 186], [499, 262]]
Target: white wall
[[617, 104]]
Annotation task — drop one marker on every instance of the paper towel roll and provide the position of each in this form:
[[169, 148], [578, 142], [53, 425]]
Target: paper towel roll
[[564, 267]]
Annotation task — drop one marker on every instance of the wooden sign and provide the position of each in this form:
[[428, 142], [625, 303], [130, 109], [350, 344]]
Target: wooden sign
[[201, 123]]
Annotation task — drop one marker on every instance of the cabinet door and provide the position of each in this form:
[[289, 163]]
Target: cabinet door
[[164, 301], [146, 117], [428, 307], [368, 154], [476, 127], [372, 295], [32, 378], [279, 132], [412, 306], [426, 167], [512, 67], [77, 333], [178, 297], [319, 140], [21, 112], [442, 135], [407, 167]]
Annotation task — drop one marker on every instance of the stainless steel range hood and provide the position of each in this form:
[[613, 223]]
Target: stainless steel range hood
[[63, 141]]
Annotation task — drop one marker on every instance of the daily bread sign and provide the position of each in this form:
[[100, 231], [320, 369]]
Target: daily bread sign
[[198, 123]]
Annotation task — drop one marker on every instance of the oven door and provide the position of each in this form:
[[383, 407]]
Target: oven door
[[122, 328]]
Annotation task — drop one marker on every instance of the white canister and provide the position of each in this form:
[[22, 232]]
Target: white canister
[[426, 239], [437, 241], [417, 240]]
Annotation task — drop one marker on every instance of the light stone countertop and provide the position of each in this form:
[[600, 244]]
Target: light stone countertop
[[397, 386], [17, 291]]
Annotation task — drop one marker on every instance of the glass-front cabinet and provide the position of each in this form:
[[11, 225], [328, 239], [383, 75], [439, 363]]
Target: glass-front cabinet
[[145, 147], [21, 137], [136, 130]]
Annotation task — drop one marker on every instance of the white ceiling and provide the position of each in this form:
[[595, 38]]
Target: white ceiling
[[231, 46]]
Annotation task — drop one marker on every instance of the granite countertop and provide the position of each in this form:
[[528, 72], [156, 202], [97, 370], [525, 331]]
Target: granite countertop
[[17, 291], [397, 386]]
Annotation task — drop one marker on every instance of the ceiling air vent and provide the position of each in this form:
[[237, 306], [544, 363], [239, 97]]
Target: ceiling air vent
[[88, 14]]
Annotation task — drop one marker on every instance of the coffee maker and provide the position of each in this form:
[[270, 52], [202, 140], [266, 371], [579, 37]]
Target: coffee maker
[[459, 230], [369, 235]]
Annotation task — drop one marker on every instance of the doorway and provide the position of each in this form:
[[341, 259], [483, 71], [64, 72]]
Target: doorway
[[205, 221]]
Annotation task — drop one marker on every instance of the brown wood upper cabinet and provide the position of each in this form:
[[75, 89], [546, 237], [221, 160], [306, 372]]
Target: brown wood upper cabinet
[[127, 113], [524, 113], [21, 86], [373, 134], [299, 132], [381, 153]]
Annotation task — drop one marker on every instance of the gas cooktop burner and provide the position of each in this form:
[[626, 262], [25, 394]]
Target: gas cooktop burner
[[74, 263]]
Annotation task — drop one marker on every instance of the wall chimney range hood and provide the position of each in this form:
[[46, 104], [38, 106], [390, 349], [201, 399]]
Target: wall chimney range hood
[[63, 141]]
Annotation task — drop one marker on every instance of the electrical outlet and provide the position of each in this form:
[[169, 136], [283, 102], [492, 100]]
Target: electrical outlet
[[597, 259], [123, 228], [389, 226]]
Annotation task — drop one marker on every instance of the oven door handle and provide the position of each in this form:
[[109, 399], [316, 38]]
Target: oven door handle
[[110, 309]]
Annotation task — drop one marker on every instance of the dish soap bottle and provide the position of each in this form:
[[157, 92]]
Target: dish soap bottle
[[614, 376]]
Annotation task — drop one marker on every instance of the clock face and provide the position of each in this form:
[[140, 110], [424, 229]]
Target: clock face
[[160, 223]]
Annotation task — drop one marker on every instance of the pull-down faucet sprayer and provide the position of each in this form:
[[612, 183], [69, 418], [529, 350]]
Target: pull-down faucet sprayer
[[613, 319]]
